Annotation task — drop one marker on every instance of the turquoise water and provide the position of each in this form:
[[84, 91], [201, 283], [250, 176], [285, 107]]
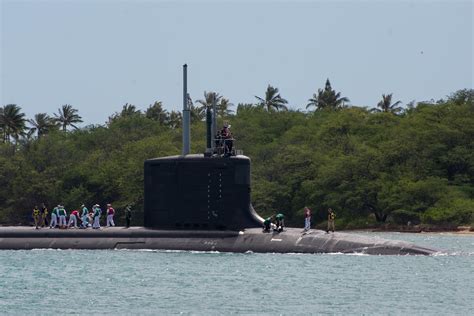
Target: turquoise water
[[163, 283]]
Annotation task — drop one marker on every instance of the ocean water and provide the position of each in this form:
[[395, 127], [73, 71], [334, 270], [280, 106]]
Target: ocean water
[[123, 282]]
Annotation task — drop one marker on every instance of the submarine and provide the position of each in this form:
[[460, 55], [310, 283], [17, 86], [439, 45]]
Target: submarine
[[201, 202]]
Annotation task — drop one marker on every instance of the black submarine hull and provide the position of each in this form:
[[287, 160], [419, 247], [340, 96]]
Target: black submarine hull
[[292, 240], [194, 202], [197, 203]]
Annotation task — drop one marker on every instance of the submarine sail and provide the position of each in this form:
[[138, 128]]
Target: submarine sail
[[198, 192]]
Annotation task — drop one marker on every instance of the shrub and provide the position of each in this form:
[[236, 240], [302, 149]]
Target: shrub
[[402, 217], [459, 211]]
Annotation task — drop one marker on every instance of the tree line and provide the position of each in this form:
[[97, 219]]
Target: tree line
[[373, 165]]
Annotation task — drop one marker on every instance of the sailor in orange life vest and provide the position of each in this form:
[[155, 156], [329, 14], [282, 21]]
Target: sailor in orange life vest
[[110, 215], [307, 218]]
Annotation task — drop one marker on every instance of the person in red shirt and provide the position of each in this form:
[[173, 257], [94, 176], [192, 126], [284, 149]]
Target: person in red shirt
[[227, 139], [307, 218], [73, 218], [110, 215]]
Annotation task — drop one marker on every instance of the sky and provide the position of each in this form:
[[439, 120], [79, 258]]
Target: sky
[[98, 55]]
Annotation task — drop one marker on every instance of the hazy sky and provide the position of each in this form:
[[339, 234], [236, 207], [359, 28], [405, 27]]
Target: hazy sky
[[99, 55]]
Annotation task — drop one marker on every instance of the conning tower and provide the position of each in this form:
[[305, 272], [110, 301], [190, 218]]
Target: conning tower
[[198, 191]]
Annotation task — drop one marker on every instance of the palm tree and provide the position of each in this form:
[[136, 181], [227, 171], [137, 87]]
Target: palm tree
[[386, 105], [209, 99], [129, 110], [157, 113], [223, 108], [272, 100], [174, 120], [12, 122], [42, 124], [327, 99], [198, 113], [67, 116]]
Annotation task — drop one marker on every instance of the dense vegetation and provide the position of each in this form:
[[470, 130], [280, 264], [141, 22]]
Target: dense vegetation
[[372, 166]]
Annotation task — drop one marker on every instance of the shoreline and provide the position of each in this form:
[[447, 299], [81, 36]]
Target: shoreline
[[461, 230], [451, 232], [418, 229], [414, 229]]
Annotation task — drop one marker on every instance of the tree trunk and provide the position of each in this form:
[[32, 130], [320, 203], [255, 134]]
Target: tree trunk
[[379, 216]]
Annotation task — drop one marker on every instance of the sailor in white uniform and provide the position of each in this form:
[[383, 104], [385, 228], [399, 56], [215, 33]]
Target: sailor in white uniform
[[97, 212]]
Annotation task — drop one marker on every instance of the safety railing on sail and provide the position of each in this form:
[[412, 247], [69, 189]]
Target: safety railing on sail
[[225, 147]]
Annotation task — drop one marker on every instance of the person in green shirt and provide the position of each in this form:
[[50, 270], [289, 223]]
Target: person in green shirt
[[267, 223], [84, 216], [280, 222], [62, 216], [54, 217], [97, 212]]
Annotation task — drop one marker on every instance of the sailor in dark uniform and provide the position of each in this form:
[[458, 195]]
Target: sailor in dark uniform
[[331, 218], [36, 216], [227, 139]]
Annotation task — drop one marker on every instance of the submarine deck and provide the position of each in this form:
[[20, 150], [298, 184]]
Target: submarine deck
[[292, 240]]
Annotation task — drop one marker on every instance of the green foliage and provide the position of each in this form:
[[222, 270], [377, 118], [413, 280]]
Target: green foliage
[[327, 99], [12, 122], [42, 124], [402, 217], [456, 212], [272, 100], [369, 167], [354, 223], [67, 116], [385, 105]]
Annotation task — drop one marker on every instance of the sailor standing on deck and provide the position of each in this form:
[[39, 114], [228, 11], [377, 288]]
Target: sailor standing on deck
[[128, 215], [331, 218], [226, 136], [62, 216], [44, 215], [36, 216], [97, 212], [54, 217], [110, 215], [307, 218], [84, 216]]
